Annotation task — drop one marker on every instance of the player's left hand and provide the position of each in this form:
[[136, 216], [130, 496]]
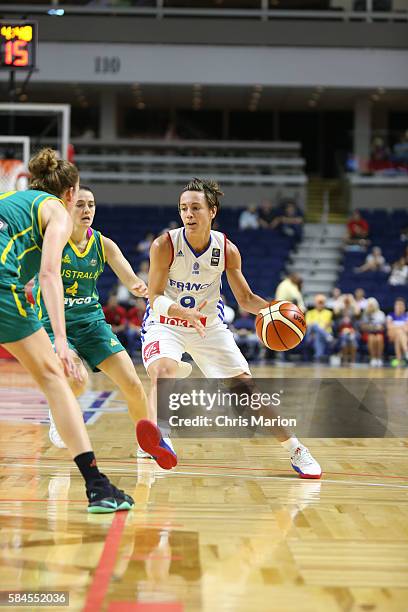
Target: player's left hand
[[139, 289]]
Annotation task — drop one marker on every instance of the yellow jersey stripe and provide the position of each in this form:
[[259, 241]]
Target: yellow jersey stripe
[[38, 300], [28, 250], [103, 248], [88, 247], [7, 249], [6, 195], [19, 305]]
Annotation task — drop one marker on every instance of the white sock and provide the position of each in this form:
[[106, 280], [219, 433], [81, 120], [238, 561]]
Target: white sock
[[291, 445]]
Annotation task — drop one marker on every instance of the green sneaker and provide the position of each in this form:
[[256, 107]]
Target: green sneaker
[[104, 497]]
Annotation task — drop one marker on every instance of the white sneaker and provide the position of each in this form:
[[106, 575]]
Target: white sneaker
[[380, 363], [304, 464], [54, 435], [169, 444], [373, 363]]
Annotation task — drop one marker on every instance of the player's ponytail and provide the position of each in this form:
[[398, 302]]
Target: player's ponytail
[[50, 174]]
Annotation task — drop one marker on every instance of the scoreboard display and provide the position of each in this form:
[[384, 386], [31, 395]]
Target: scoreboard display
[[18, 45]]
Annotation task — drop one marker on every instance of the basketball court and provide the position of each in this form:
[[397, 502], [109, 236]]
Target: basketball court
[[231, 528]]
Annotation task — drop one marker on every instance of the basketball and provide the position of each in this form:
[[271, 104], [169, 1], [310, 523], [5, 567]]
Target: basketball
[[281, 326]]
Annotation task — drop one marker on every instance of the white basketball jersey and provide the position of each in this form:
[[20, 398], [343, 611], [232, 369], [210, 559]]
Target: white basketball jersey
[[194, 278]]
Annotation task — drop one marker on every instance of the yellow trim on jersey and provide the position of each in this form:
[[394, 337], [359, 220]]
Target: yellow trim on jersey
[[38, 300], [40, 207], [88, 246], [28, 250], [7, 194], [103, 248], [7, 249], [102, 255], [19, 305]]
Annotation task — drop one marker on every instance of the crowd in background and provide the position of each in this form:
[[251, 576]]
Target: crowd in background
[[285, 218]]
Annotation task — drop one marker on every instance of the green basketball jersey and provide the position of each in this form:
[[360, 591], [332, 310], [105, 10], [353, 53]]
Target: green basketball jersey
[[79, 272], [21, 234]]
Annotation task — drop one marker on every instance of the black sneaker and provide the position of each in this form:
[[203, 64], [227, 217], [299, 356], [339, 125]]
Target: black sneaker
[[104, 497]]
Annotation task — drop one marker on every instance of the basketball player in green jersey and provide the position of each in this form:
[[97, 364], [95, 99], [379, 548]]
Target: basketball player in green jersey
[[88, 333], [34, 228]]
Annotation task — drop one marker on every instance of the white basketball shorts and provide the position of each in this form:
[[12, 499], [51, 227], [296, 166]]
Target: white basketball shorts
[[217, 354]]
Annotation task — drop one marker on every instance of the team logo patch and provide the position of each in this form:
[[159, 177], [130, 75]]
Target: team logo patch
[[93, 262], [66, 259], [114, 342], [196, 268], [180, 254], [216, 253], [215, 261], [151, 349]]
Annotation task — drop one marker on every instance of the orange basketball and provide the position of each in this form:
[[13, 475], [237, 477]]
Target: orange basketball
[[281, 326]]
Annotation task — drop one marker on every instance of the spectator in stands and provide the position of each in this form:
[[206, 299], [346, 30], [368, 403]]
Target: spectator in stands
[[404, 234], [290, 289], [379, 151], [134, 324], [266, 214], [357, 230], [333, 300], [123, 295], [348, 336], [375, 262], [248, 219], [400, 150], [397, 330], [243, 329], [319, 327], [143, 270], [405, 255], [399, 273], [115, 315], [290, 222], [143, 247], [373, 329], [347, 307], [360, 298]]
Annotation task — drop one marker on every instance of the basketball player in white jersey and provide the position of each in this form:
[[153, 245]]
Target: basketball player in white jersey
[[185, 311]]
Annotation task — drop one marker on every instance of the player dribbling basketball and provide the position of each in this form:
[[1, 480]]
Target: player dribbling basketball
[[185, 311]]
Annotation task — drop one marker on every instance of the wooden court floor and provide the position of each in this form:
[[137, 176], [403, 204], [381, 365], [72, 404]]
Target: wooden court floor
[[231, 528]]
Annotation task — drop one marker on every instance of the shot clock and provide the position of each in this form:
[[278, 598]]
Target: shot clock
[[18, 45]]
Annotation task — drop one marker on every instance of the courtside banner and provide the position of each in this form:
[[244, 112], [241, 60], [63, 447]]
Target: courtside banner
[[313, 408]]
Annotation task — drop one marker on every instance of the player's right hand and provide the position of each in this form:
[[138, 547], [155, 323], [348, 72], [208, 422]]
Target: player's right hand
[[67, 358], [194, 316]]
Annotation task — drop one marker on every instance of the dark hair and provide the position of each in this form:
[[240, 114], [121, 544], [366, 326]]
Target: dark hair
[[85, 188], [210, 189], [50, 174], [400, 299]]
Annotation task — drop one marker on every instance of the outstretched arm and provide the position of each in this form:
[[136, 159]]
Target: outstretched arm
[[248, 300], [122, 268]]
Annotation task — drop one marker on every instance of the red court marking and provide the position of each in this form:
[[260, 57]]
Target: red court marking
[[130, 606], [104, 570]]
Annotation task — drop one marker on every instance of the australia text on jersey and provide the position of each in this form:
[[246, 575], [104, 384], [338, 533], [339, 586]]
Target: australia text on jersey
[[77, 274]]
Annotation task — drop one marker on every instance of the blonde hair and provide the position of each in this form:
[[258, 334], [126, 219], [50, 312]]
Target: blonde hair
[[50, 174]]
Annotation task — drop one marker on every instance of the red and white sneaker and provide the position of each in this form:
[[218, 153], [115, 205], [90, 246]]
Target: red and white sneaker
[[151, 442], [304, 464]]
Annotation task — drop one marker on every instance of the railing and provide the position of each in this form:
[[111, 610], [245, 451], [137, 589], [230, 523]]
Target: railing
[[159, 161], [261, 11]]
